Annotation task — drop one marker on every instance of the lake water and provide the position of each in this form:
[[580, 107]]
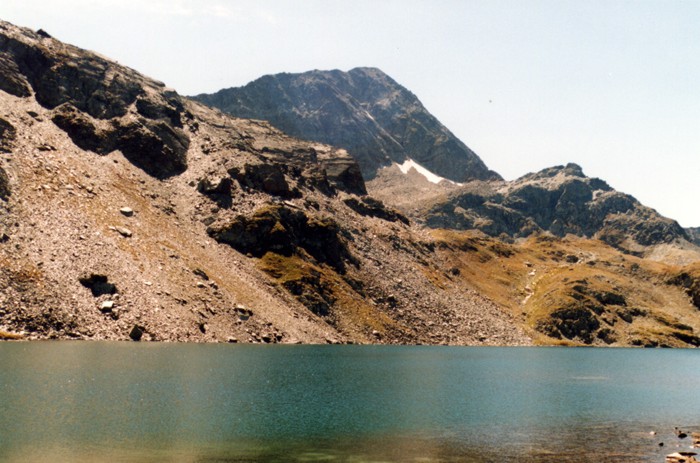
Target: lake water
[[141, 402]]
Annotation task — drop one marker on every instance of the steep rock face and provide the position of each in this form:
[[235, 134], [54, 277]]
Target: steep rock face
[[560, 200], [364, 111], [101, 105], [694, 234]]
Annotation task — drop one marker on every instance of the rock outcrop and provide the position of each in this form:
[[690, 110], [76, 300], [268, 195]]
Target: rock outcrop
[[694, 235], [101, 105], [363, 110], [285, 231], [559, 200], [7, 136]]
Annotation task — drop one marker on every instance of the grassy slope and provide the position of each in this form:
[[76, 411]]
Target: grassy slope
[[579, 292]]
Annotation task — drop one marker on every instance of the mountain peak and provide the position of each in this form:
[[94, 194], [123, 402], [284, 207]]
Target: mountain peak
[[364, 111]]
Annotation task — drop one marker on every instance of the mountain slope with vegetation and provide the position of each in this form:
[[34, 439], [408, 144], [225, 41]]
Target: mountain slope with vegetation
[[130, 212]]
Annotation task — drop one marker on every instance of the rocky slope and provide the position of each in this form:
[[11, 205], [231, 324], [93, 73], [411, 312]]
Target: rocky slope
[[579, 291], [559, 200], [129, 212], [364, 111]]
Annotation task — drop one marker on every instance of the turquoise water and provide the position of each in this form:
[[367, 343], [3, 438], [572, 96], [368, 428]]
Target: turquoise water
[[140, 402]]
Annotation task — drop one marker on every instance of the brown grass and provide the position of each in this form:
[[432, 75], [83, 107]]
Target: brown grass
[[535, 277]]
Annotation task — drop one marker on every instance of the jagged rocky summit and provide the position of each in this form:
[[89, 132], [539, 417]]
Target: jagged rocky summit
[[363, 111], [560, 200]]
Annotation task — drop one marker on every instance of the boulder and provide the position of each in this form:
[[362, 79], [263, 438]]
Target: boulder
[[268, 178], [136, 333], [283, 230], [106, 306], [218, 190], [125, 232]]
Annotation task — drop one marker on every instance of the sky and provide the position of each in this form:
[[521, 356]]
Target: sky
[[611, 85]]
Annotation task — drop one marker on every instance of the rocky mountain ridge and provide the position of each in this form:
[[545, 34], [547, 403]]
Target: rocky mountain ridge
[[139, 214], [560, 200], [363, 111], [130, 212]]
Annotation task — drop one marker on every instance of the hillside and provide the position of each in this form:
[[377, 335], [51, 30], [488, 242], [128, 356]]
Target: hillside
[[413, 163], [130, 212], [363, 111]]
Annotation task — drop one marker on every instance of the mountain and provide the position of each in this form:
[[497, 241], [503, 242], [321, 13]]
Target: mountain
[[383, 125], [560, 200], [130, 212], [363, 111]]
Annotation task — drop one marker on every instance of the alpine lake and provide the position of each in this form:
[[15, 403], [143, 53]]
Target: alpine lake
[[151, 402]]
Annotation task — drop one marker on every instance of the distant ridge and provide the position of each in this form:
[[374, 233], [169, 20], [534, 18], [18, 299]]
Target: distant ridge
[[364, 111]]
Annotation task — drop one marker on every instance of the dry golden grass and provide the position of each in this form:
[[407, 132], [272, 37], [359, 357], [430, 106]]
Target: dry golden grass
[[350, 313], [539, 277]]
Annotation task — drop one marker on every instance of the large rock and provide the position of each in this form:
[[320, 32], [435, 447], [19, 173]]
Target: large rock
[[285, 231], [268, 178], [364, 111]]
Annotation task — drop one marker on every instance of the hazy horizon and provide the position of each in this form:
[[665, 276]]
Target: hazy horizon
[[608, 85]]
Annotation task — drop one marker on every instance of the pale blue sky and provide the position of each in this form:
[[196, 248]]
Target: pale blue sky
[[610, 85]]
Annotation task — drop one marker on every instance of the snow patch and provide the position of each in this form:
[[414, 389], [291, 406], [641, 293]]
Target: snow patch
[[431, 177]]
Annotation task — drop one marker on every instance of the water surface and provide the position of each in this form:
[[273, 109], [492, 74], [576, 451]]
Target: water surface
[[140, 402]]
